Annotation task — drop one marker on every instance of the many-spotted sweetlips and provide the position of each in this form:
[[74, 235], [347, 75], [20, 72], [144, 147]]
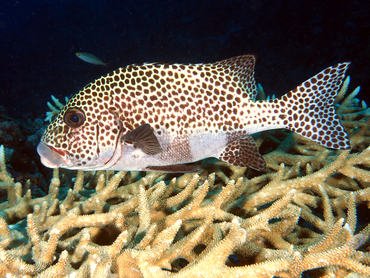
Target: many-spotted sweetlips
[[164, 117]]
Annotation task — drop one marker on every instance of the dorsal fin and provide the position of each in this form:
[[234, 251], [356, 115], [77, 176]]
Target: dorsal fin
[[241, 67], [243, 152]]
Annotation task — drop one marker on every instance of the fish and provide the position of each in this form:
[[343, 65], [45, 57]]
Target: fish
[[90, 58], [169, 117]]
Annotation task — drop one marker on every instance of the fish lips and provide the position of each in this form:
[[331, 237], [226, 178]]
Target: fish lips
[[51, 157]]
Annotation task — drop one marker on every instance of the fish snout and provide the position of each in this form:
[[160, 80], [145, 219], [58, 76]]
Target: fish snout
[[50, 157]]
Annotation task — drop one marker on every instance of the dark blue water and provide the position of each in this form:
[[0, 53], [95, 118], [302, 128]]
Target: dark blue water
[[293, 40]]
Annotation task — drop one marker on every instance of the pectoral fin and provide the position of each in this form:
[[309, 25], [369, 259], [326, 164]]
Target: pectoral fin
[[244, 152], [144, 138]]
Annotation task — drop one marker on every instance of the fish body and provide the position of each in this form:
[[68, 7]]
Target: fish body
[[158, 116], [90, 58]]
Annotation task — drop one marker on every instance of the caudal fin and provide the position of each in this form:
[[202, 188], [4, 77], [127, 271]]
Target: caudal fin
[[309, 108]]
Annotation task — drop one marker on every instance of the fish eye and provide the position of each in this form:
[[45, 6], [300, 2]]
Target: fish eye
[[74, 117]]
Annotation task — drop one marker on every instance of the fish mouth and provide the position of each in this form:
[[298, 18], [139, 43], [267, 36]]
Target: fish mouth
[[51, 157]]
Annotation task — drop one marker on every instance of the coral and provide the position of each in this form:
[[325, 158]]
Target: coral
[[54, 109], [305, 214], [21, 137]]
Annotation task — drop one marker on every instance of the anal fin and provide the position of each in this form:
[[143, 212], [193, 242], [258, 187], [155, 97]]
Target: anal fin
[[175, 168], [244, 152]]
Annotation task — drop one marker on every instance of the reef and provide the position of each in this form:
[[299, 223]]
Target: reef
[[306, 214]]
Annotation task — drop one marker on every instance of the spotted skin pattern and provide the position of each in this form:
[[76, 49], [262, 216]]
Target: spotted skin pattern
[[194, 110]]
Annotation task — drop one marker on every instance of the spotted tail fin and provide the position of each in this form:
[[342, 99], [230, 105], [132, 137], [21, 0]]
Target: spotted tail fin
[[309, 108]]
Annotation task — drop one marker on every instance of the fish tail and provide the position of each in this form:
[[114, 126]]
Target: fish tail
[[309, 109]]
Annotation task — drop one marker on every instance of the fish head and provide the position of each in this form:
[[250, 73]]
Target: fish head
[[85, 135]]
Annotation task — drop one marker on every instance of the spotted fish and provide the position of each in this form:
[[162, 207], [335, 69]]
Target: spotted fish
[[164, 117]]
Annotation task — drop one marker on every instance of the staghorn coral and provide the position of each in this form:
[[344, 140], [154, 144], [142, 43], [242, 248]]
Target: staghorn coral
[[303, 215], [55, 110]]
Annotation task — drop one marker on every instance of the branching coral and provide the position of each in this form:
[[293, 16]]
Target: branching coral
[[54, 109], [303, 215]]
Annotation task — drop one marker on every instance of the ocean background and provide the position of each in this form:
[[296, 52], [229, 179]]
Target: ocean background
[[294, 40]]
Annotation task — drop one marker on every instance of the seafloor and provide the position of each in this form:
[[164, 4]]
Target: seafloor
[[306, 214]]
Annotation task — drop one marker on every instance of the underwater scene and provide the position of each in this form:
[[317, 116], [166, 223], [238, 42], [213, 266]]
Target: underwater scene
[[184, 138]]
